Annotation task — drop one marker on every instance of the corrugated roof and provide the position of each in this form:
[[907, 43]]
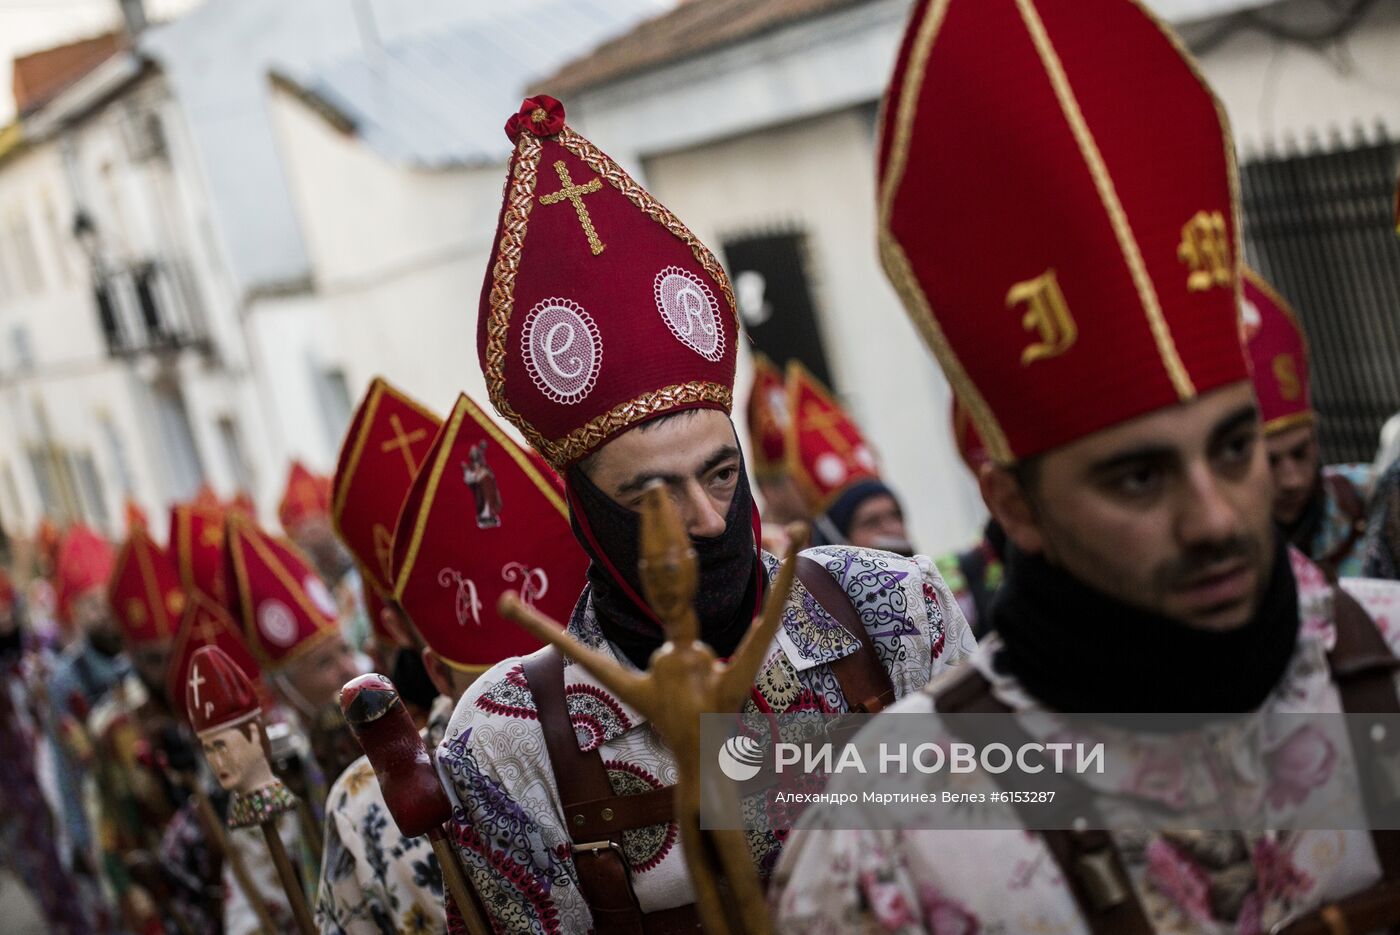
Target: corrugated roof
[[442, 99], [696, 26]]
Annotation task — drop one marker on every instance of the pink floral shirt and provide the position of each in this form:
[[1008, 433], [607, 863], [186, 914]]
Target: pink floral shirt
[[998, 881]]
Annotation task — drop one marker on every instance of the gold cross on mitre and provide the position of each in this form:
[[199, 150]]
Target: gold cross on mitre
[[401, 441], [574, 194], [825, 422]]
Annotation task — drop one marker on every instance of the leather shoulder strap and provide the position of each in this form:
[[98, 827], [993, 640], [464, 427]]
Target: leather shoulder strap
[[862, 677], [1088, 860], [1363, 668], [603, 876]]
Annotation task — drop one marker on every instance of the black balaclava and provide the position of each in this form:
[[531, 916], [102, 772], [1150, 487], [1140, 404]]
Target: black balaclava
[[1079, 650], [730, 572]]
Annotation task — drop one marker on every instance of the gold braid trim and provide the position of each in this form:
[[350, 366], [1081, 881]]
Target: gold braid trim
[[520, 198], [583, 440]]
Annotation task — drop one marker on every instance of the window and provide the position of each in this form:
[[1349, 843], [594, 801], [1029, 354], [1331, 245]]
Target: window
[[90, 491], [181, 455], [333, 395], [234, 454], [1320, 228]]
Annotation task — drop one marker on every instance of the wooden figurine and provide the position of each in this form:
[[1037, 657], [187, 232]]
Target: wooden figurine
[[225, 713], [684, 681]]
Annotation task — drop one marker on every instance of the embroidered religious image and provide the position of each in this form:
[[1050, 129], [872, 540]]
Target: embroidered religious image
[[482, 481]]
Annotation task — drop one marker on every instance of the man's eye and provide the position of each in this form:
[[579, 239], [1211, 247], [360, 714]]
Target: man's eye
[[726, 475], [1238, 449], [1137, 482]]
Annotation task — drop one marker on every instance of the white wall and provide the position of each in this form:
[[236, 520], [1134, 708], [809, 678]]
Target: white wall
[[1274, 90], [94, 402], [399, 266], [816, 177]]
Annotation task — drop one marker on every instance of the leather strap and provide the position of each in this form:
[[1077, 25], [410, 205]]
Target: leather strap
[[1363, 669], [603, 876], [1088, 860], [862, 678]]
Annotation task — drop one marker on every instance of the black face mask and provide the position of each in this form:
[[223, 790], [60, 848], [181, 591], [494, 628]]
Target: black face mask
[[729, 571], [411, 678], [1077, 650]]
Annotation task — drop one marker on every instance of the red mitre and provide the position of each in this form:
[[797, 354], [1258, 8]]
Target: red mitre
[[825, 449], [134, 516], [284, 608], [242, 503], [197, 547], [206, 499], [389, 438], [1058, 211], [307, 496], [206, 623], [145, 591], [1278, 356], [484, 517], [48, 538], [7, 590], [84, 564], [600, 310], [218, 695], [768, 419], [971, 448]]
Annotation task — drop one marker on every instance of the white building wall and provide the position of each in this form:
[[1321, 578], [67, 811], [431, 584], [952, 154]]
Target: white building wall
[[399, 267], [93, 402], [816, 177], [1276, 90]]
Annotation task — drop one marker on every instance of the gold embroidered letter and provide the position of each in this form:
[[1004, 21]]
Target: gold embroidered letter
[[1206, 249], [1286, 373], [1047, 315]]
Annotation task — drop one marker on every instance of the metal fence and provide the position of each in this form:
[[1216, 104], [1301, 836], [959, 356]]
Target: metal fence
[[1319, 224]]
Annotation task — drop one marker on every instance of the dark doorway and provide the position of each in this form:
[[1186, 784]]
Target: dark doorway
[[769, 273]]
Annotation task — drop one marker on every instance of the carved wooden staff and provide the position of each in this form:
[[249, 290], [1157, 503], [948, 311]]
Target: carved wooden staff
[[684, 681], [226, 715], [412, 792]]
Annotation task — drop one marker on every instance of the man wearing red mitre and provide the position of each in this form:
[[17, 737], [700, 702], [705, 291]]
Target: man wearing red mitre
[[1321, 509], [1058, 210], [607, 334]]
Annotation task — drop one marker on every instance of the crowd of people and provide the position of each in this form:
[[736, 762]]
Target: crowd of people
[[1132, 400]]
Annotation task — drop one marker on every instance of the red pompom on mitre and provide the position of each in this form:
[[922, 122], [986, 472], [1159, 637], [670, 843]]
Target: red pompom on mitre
[[541, 116]]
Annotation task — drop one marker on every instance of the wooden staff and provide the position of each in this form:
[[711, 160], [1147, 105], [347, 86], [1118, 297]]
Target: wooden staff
[[412, 791], [684, 681]]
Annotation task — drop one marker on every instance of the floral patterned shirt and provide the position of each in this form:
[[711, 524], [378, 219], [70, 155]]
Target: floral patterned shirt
[[1189, 883], [1337, 525], [508, 824], [373, 879]]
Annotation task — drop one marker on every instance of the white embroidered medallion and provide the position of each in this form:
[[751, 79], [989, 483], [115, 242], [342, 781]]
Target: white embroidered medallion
[[277, 622], [690, 311], [563, 349], [830, 470]]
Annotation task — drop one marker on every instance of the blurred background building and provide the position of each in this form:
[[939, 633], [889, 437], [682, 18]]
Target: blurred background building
[[214, 231]]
